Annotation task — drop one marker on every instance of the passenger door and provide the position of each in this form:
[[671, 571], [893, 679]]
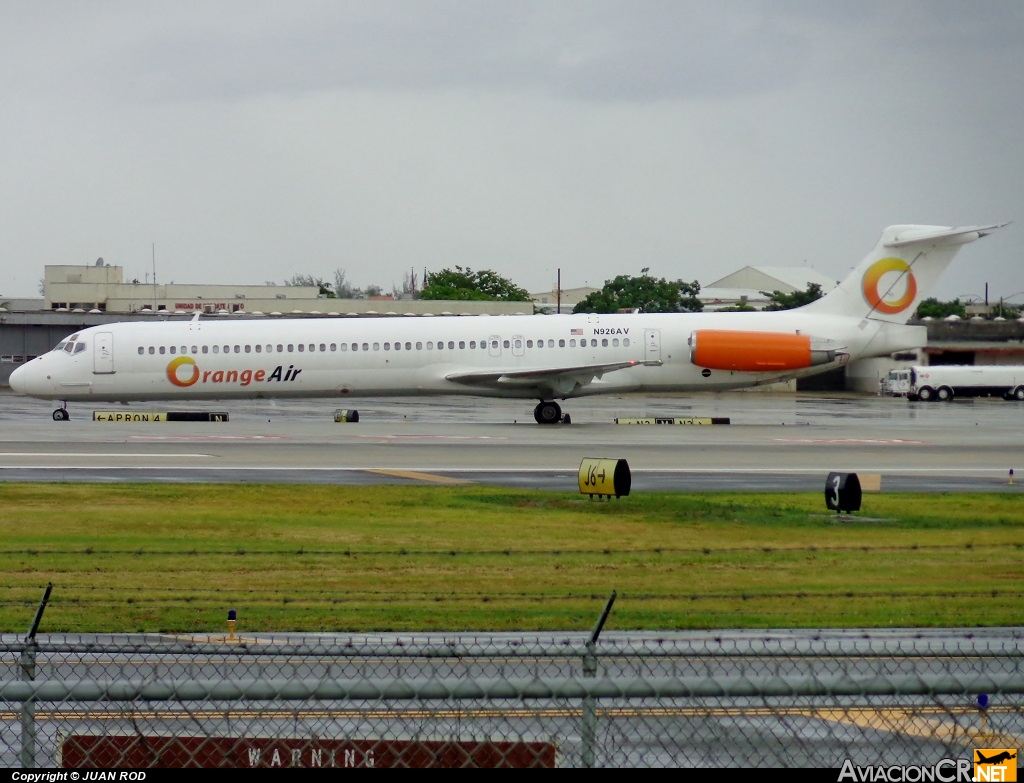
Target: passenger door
[[103, 353]]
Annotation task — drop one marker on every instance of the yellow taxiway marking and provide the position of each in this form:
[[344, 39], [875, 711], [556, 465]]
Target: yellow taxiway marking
[[912, 723], [218, 638], [411, 474]]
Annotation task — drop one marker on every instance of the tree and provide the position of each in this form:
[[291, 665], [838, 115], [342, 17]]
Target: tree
[[643, 293], [781, 301], [342, 287], [312, 280], [742, 307], [409, 288], [933, 308], [465, 284]]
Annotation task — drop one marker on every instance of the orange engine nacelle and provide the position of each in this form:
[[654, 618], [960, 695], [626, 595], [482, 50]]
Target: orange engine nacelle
[[755, 351]]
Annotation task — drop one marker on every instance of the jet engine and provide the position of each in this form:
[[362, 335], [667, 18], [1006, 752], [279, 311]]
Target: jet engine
[[719, 349]]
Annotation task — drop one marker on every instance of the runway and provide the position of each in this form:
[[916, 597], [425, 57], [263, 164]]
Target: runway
[[774, 442]]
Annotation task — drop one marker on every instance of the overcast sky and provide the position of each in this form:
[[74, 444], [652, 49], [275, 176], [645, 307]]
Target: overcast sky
[[255, 140]]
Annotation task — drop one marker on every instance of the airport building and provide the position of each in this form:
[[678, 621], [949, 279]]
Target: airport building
[[101, 288]]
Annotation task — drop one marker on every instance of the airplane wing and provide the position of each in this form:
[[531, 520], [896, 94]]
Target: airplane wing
[[556, 380]]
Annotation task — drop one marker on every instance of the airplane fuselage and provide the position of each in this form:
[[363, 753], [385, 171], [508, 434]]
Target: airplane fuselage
[[373, 357]]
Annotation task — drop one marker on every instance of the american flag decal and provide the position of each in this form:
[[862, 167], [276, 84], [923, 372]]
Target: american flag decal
[[576, 331]]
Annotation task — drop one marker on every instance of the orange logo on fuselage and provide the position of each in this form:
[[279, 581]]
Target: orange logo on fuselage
[[874, 276], [172, 371], [241, 377]]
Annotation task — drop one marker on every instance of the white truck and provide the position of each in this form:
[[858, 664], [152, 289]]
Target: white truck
[[896, 383], [943, 382]]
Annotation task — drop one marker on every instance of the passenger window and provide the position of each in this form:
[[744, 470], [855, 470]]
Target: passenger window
[[419, 346], [301, 347], [529, 343], [174, 349], [195, 350], [387, 346], [408, 346], [551, 343], [625, 341], [430, 345], [615, 342], [366, 346], [505, 343], [206, 349], [472, 343], [376, 346], [248, 349], [462, 344], [312, 348], [152, 350], [572, 343], [280, 348], [451, 345], [216, 349], [440, 345], [561, 343], [290, 347], [141, 350], [323, 347], [334, 347], [519, 343], [227, 349], [238, 349], [344, 347], [163, 350], [259, 349]]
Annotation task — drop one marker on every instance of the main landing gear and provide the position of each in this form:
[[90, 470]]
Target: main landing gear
[[61, 414], [550, 412]]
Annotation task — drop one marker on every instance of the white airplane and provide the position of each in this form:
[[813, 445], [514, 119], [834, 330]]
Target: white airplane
[[544, 357]]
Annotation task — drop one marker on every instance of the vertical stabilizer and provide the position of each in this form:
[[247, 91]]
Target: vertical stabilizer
[[902, 270]]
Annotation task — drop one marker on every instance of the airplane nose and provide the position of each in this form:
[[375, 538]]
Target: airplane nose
[[17, 380]]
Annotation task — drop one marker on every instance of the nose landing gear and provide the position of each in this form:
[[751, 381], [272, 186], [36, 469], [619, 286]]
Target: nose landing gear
[[61, 414]]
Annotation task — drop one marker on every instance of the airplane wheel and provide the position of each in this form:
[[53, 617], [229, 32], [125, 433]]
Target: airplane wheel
[[547, 413], [926, 394], [1018, 393], [945, 394], [60, 415]]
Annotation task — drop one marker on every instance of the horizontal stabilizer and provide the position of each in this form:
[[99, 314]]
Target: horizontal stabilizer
[[952, 236]]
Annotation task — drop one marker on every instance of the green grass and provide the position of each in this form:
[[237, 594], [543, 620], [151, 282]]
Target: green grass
[[175, 558]]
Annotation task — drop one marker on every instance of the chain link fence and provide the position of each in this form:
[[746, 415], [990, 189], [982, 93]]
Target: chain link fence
[[748, 699]]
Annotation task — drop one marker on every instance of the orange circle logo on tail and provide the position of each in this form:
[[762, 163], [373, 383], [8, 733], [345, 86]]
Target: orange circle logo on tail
[[172, 371], [874, 276]]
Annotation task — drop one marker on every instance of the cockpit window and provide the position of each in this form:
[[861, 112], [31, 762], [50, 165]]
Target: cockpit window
[[79, 347], [68, 345]]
